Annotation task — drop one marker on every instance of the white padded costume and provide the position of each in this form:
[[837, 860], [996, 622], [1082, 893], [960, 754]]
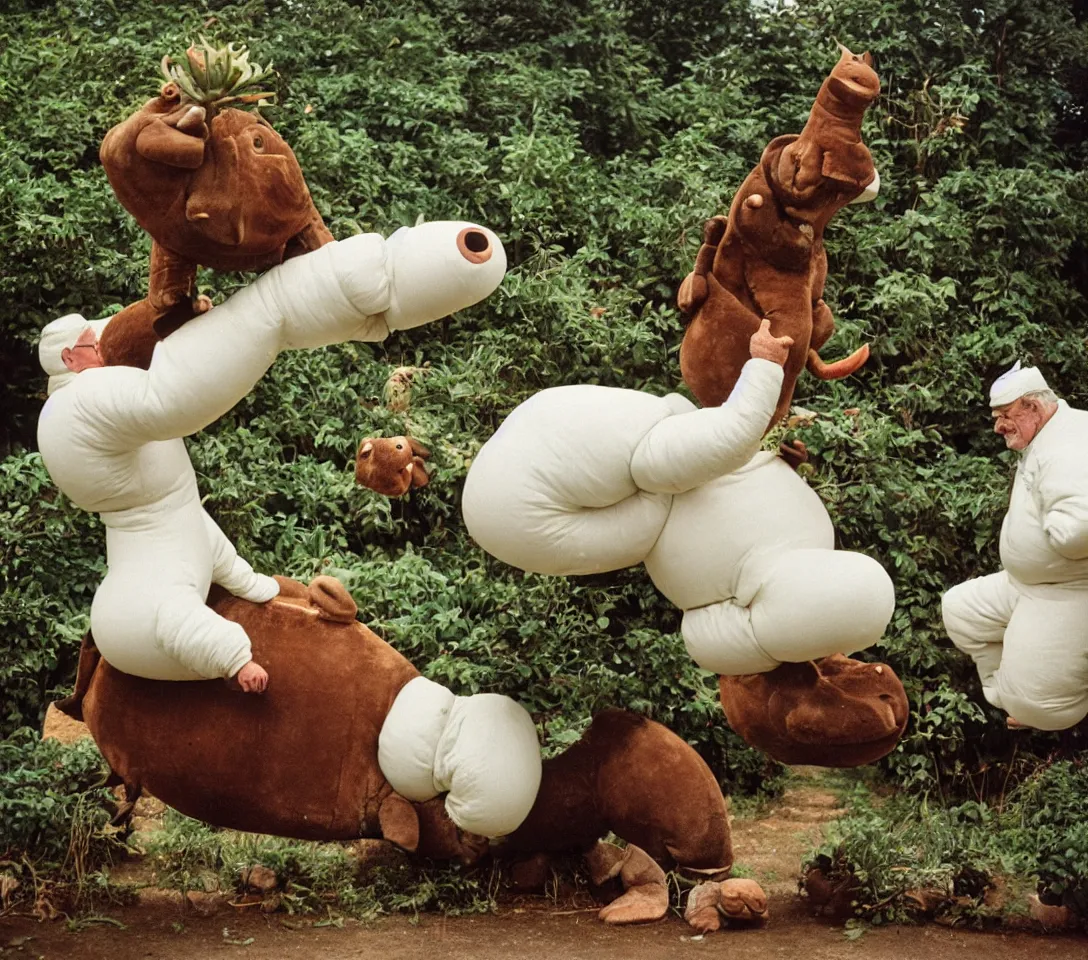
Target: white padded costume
[[481, 751], [1027, 626], [584, 479], [110, 436]]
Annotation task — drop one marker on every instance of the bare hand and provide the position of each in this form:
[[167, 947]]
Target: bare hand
[[252, 678], [763, 346]]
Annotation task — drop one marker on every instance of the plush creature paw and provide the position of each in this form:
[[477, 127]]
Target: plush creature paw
[[647, 896], [391, 466], [743, 900], [738, 900]]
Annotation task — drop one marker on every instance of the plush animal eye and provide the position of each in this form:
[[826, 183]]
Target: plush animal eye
[[400, 446], [258, 142]]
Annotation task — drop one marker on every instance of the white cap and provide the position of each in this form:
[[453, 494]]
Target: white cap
[[1014, 383], [58, 335]]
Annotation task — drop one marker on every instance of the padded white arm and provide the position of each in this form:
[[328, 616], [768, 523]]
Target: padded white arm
[[233, 573], [689, 449]]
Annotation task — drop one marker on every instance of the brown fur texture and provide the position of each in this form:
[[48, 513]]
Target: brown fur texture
[[790, 713], [637, 779], [302, 762], [391, 466], [299, 761], [735, 899], [767, 259], [222, 191]]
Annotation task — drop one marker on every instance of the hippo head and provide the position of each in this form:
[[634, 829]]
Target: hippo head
[[833, 712], [391, 466], [249, 193]]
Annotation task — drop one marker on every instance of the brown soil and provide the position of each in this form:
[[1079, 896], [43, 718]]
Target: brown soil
[[768, 847]]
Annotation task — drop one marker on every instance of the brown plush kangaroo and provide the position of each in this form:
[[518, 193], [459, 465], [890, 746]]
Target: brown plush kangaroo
[[767, 259], [212, 186]]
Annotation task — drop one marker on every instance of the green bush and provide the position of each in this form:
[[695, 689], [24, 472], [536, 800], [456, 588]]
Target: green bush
[[55, 833], [594, 138]]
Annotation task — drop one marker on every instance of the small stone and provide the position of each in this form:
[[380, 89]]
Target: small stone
[[260, 878], [203, 904]]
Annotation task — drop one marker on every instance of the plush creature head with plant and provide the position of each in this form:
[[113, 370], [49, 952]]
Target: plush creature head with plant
[[212, 184]]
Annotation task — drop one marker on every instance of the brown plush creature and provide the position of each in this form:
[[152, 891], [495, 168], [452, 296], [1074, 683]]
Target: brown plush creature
[[391, 465], [790, 713], [767, 259], [298, 762], [214, 187]]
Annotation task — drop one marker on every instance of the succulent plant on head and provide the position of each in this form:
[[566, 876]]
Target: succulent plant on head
[[216, 77]]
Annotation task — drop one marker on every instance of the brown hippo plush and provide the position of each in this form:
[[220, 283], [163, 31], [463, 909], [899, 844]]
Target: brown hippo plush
[[767, 259], [833, 712], [212, 185], [302, 762], [391, 466]]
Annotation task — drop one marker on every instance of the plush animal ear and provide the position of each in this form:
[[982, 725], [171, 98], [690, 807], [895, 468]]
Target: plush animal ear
[[399, 822], [176, 146], [418, 449], [366, 448]]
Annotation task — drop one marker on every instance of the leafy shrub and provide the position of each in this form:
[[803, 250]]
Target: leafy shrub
[[313, 877], [54, 817], [595, 138]]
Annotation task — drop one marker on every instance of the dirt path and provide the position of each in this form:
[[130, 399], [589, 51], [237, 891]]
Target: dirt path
[[768, 847]]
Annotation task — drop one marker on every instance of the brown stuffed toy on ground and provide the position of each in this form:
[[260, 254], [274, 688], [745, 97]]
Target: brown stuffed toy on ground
[[212, 185], [767, 259], [391, 466], [834, 712], [302, 762]]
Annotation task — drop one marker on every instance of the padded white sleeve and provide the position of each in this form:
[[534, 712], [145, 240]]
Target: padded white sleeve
[[1063, 502], [686, 450], [233, 573], [198, 638]]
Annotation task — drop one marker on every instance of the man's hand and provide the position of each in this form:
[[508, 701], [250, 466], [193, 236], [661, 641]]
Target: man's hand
[[252, 678], [765, 347], [794, 453]]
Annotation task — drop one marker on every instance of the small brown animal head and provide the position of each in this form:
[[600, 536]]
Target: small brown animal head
[[391, 465], [853, 81], [834, 712]]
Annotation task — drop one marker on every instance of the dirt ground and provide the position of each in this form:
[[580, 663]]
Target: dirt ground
[[768, 847]]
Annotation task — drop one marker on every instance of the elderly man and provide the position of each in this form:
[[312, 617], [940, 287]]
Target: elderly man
[[1026, 627]]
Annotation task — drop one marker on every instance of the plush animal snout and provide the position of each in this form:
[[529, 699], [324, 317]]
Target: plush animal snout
[[391, 465]]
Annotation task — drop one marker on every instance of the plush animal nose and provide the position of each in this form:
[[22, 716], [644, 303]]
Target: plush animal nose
[[474, 245]]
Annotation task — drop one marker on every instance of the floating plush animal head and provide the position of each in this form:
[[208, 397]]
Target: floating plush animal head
[[767, 259], [834, 712], [211, 183], [391, 465]]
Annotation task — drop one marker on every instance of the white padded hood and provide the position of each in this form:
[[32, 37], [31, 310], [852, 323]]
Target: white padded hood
[[481, 751]]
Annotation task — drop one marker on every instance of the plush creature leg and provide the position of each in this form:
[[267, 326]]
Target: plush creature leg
[[647, 896], [742, 900], [88, 662], [693, 290], [130, 337], [133, 791], [399, 822]]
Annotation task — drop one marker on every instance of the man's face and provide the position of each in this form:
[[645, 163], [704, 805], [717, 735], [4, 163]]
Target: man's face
[[1018, 422]]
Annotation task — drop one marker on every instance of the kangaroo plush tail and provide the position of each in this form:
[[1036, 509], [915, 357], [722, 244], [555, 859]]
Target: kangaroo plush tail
[[840, 368], [88, 662]]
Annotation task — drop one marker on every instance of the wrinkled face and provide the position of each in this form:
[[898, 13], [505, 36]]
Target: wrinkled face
[[1018, 422], [250, 192]]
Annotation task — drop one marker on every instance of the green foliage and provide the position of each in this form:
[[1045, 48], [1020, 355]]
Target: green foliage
[[54, 817], [594, 138], [313, 877], [893, 848]]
